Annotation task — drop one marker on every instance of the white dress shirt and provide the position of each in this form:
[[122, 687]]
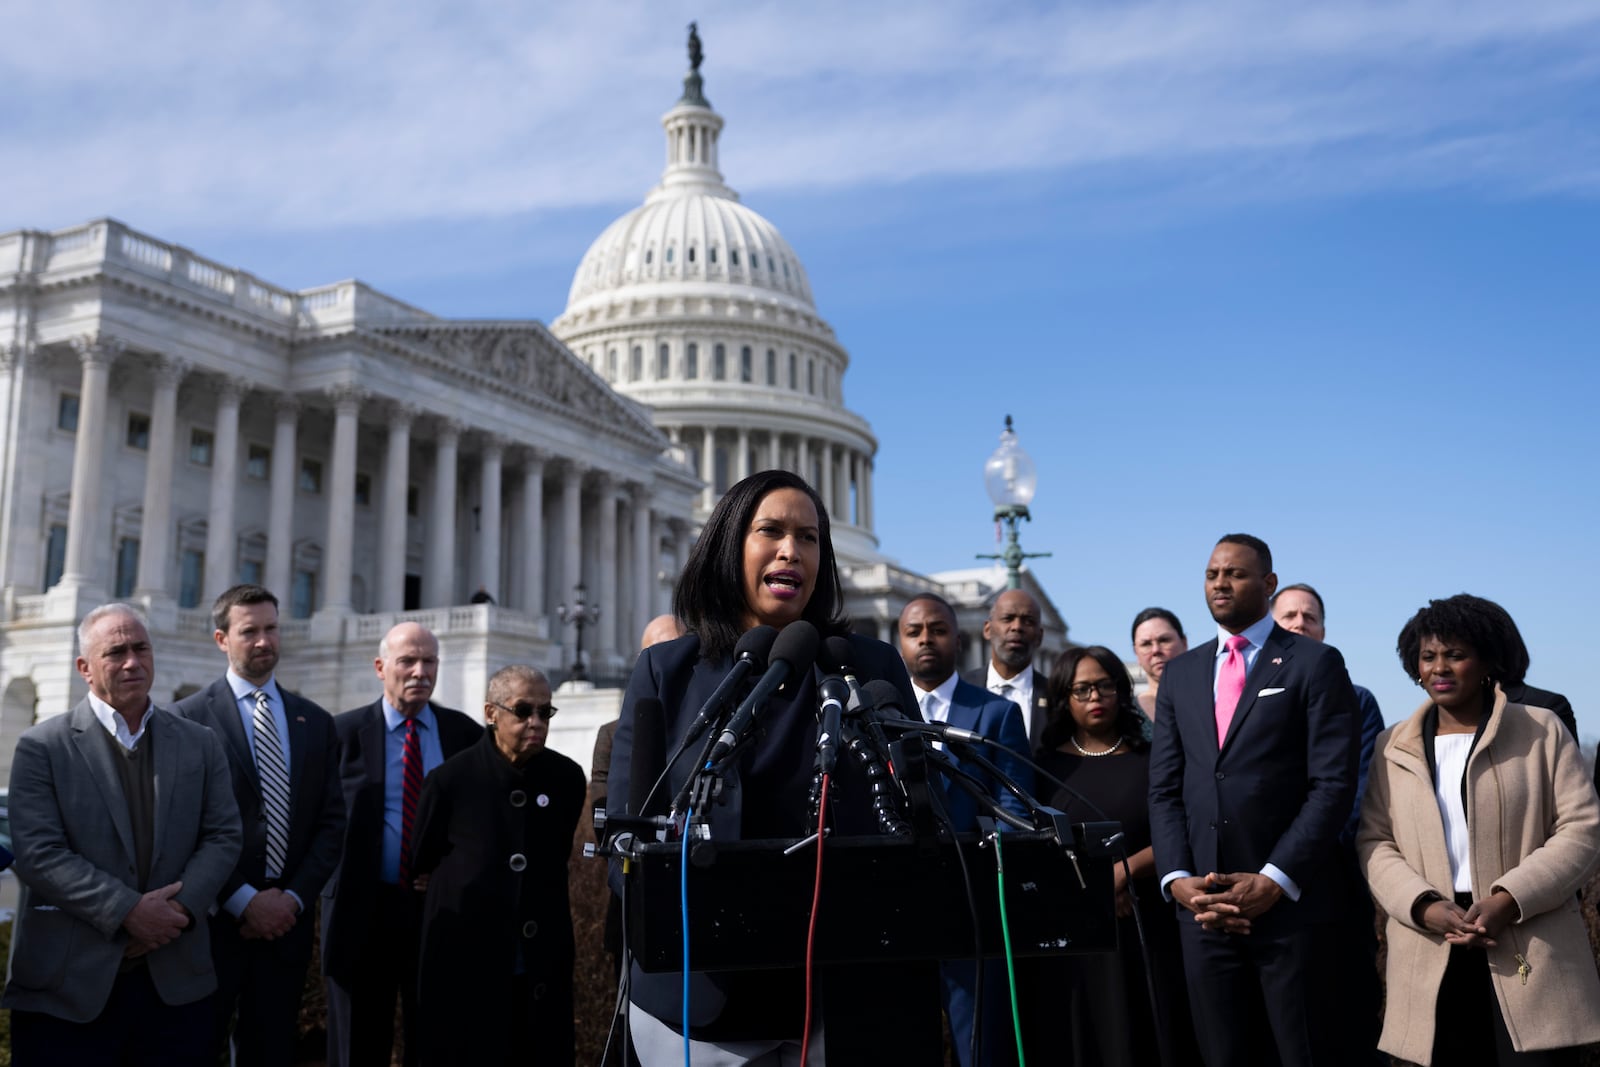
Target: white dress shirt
[[1021, 691], [116, 725]]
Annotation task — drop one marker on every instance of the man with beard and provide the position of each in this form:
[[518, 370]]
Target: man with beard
[[371, 910], [928, 643], [1015, 630], [494, 830], [283, 756], [1252, 774]]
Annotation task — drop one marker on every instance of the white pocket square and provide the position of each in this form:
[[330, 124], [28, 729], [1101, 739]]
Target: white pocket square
[[1270, 692]]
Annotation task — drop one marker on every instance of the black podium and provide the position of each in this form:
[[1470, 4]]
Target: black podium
[[882, 899]]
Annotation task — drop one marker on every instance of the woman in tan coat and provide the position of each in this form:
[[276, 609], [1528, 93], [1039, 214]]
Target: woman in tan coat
[[1478, 828]]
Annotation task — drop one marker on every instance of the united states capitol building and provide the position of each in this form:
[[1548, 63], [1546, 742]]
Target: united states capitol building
[[172, 425]]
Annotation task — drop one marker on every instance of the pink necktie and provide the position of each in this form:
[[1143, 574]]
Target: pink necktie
[[1230, 685]]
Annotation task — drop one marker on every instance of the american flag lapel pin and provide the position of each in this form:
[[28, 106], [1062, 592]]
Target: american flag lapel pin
[[1278, 662]]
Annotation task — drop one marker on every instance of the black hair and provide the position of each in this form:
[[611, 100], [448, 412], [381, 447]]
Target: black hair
[[709, 596], [241, 595], [955, 620], [1473, 621], [1302, 587], [1252, 542], [1059, 725], [1155, 613]]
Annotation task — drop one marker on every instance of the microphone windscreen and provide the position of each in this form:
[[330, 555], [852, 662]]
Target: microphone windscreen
[[837, 655], [797, 646], [882, 695], [756, 642], [649, 755]]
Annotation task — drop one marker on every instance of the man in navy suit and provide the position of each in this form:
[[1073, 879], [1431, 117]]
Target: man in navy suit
[[1252, 774], [371, 910], [1015, 630], [928, 643], [292, 814]]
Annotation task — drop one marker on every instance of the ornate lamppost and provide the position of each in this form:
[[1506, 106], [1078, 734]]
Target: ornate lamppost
[[580, 615], [1010, 479]]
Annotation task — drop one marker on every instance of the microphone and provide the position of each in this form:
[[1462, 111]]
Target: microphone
[[834, 691], [836, 657], [750, 654], [649, 752], [881, 695], [941, 730], [794, 651]]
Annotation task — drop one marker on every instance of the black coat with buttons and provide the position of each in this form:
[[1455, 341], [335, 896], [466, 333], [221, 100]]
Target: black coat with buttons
[[497, 952]]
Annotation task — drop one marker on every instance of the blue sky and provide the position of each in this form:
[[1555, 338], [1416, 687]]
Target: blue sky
[[1322, 272]]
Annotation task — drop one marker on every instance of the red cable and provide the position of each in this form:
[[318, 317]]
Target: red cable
[[811, 929]]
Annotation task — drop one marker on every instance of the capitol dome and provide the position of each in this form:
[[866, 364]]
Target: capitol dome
[[696, 306]]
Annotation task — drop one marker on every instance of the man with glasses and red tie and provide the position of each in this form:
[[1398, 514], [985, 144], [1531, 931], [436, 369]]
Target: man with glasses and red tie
[[494, 831], [372, 908], [1252, 774]]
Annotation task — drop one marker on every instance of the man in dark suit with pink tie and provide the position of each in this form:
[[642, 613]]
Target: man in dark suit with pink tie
[[1252, 774]]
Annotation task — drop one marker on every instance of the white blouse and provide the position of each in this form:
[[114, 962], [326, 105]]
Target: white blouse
[[1450, 762]]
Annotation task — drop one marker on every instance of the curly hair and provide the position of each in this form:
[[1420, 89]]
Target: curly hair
[[709, 596], [1480, 624], [1059, 725]]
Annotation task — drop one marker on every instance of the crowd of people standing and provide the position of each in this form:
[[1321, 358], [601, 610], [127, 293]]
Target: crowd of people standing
[[173, 859]]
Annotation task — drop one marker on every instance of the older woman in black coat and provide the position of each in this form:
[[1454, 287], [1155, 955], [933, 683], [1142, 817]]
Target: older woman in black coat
[[494, 829]]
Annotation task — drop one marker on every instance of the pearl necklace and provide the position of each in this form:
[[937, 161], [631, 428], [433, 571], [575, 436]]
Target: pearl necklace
[[1085, 752]]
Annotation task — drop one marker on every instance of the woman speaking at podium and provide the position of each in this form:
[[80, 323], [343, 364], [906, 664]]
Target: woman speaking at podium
[[765, 558]]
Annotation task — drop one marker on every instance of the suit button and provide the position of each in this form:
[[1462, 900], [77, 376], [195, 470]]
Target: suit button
[[530, 928], [518, 862], [1220, 776], [518, 798], [539, 991]]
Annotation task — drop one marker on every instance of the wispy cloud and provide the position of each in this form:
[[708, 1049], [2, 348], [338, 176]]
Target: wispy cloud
[[300, 115]]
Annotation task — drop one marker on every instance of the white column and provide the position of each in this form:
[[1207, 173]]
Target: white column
[[803, 459], [280, 520], [680, 546], [396, 486], [439, 581], [533, 533], [774, 451], [88, 461], [606, 599], [742, 470], [221, 538], [338, 553], [490, 472], [571, 542], [644, 575], [825, 490], [155, 535], [866, 491], [708, 467], [840, 504], [660, 592], [855, 481]]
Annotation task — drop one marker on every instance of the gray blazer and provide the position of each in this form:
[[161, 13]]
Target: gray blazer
[[76, 861]]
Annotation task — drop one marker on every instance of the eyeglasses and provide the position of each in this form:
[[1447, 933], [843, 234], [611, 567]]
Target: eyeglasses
[[1084, 690], [522, 709]]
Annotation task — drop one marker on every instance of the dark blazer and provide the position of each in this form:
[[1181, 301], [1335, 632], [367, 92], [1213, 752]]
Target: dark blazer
[[975, 708], [316, 805], [349, 901], [484, 918], [1278, 791], [1036, 716], [76, 860], [899, 1021]]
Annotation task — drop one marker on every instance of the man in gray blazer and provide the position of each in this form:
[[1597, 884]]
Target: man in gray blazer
[[125, 828]]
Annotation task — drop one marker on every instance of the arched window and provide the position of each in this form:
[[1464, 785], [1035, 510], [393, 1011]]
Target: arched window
[[711, 254], [719, 363], [811, 377], [746, 365], [794, 373], [691, 361], [772, 367], [690, 254], [733, 257], [649, 256], [663, 362], [670, 250], [611, 364], [636, 363]]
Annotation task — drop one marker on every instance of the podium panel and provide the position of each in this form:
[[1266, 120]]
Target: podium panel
[[882, 900]]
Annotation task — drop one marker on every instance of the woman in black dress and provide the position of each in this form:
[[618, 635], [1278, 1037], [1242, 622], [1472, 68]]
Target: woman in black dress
[[1094, 743]]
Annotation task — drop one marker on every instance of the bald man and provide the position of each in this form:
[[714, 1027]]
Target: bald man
[[371, 911], [1015, 630]]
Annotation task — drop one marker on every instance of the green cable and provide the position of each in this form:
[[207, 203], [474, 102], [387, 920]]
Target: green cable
[[1005, 933]]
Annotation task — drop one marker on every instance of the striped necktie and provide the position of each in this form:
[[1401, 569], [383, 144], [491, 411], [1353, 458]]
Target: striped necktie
[[274, 784], [410, 791]]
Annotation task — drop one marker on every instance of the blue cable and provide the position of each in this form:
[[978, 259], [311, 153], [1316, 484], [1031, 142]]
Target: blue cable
[[683, 899]]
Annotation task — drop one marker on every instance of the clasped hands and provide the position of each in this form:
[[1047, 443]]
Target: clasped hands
[[1474, 927], [1226, 902], [270, 914], [156, 920]]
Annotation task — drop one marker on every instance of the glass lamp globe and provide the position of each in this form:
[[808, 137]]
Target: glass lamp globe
[[1009, 476]]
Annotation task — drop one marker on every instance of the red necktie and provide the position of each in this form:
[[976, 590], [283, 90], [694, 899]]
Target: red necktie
[[1230, 685], [410, 790]]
